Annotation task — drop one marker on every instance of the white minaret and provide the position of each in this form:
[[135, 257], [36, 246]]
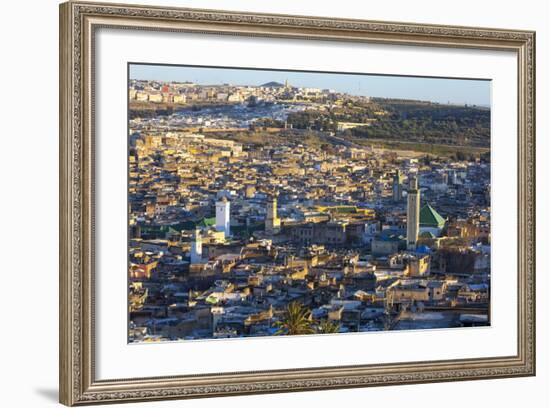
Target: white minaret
[[413, 213], [222, 216], [196, 247]]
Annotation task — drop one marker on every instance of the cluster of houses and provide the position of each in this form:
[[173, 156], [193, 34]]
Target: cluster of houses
[[182, 93], [224, 236]]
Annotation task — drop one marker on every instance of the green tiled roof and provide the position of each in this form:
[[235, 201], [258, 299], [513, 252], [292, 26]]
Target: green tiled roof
[[427, 234], [207, 222], [430, 217], [185, 225], [346, 209]]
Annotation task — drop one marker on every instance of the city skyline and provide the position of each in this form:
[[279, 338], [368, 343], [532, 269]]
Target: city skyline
[[284, 210], [440, 90]]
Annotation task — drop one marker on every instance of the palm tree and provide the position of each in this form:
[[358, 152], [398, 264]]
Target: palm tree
[[296, 320], [326, 327]]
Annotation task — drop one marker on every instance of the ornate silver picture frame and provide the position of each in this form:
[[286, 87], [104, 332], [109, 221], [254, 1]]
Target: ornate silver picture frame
[[78, 24]]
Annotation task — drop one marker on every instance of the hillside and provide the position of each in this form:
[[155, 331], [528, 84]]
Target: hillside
[[403, 121], [459, 125]]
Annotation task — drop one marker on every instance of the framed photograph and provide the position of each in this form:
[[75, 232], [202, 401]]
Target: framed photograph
[[256, 203]]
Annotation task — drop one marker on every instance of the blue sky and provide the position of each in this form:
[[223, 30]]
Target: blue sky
[[442, 90]]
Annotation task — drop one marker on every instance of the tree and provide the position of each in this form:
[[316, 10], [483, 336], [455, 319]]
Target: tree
[[326, 327], [296, 320]]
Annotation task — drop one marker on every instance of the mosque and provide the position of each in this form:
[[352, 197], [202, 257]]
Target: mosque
[[425, 221]]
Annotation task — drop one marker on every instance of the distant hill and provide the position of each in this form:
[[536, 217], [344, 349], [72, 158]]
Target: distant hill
[[273, 84], [425, 122], [405, 121]]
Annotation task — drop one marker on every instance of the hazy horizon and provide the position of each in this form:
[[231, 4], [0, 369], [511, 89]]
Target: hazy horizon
[[440, 90]]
